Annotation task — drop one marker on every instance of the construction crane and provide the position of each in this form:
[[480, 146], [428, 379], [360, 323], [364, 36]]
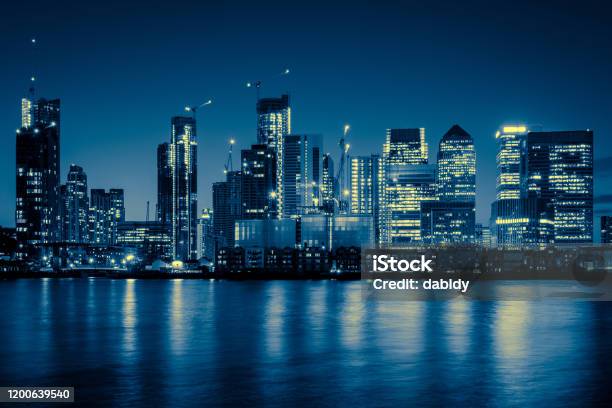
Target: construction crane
[[229, 166], [258, 83], [339, 181], [194, 109]]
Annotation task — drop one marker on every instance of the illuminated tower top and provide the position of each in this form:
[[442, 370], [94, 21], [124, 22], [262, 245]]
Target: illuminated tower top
[[511, 141]]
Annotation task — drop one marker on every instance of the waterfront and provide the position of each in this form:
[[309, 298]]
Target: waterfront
[[200, 342]]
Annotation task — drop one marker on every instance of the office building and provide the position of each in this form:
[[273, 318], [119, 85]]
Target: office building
[[106, 211], [37, 177], [181, 156], [364, 184], [327, 190], [75, 206], [301, 173], [273, 124], [266, 233], [456, 173], [152, 240], [227, 208], [560, 173], [258, 182], [206, 236], [164, 184], [330, 232]]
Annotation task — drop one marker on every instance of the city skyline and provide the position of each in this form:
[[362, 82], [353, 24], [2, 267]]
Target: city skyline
[[80, 141]]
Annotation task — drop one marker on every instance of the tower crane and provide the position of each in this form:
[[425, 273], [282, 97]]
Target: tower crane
[[194, 109], [229, 166]]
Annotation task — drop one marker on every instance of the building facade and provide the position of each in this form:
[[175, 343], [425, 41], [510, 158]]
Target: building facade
[[37, 209], [76, 206], [258, 182], [301, 173], [560, 173], [273, 124], [606, 229]]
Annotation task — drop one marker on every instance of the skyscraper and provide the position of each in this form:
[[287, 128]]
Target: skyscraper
[[76, 206], [301, 173], [560, 172], [206, 244], [451, 220], [227, 208], [258, 182], [508, 218], [273, 124], [328, 188], [100, 216], [406, 181], [106, 211], [456, 173], [364, 184], [407, 187], [164, 184], [37, 176], [511, 161], [606, 229], [182, 163]]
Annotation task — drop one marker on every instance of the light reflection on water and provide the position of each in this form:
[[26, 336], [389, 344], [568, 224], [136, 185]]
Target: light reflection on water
[[182, 342]]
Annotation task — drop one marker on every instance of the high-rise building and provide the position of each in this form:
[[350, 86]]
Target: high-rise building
[[405, 181], [182, 163], [508, 217], [273, 124], [258, 182], [227, 208], [407, 187], [456, 174], [206, 236], [483, 235], [76, 206], [364, 184], [100, 216], [451, 220], [327, 190], [164, 184], [511, 149], [106, 211], [37, 179], [606, 229], [301, 173], [560, 173]]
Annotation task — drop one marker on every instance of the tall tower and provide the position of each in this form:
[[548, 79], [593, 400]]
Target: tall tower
[[76, 205], [560, 173], [508, 212], [37, 177], [164, 184], [273, 124], [406, 181], [301, 173], [456, 175], [258, 182], [182, 164], [327, 188]]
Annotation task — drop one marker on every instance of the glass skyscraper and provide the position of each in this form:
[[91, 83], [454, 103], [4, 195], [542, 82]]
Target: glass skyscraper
[[273, 124], [508, 218], [106, 211], [37, 211], [258, 182], [451, 220], [456, 175], [327, 189], [560, 172], [182, 165], [301, 173], [76, 206], [406, 181]]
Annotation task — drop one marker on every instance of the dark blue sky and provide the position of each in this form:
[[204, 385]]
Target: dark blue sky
[[123, 70]]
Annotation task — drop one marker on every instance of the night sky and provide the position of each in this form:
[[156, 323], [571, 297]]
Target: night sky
[[122, 71]]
